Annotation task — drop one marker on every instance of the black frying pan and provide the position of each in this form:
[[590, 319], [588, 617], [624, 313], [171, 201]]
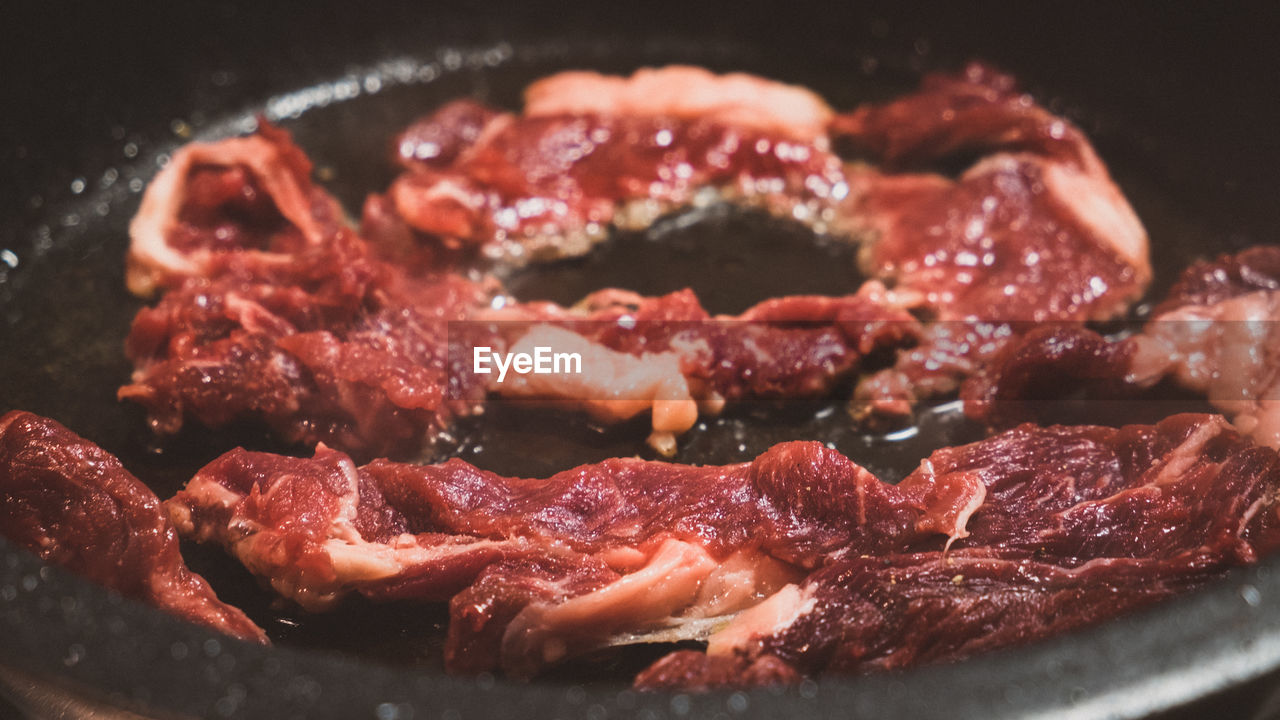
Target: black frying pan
[[1179, 104]]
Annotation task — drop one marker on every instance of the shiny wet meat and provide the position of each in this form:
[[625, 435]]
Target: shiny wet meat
[[1214, 335], [74, 505], [1078, 525], [800, 555], [281, 315]]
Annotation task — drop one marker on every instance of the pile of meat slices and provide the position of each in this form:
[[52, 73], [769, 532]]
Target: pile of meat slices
[[274, 310], [797, 563]]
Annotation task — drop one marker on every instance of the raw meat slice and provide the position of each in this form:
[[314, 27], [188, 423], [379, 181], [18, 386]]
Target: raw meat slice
[[1215, 334], [279, 314], [1079, 525], [545, 567], [331, 346], [241, 195], [592, 150], [1035, 231], [73, 504], [745, 555], [892, 613]]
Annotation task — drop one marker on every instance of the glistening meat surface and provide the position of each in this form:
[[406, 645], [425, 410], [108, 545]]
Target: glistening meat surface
[[330, 346], [1215, 334], [1079, 524], [1035, 231], [322, 341], [281, 315], [590, 151], [398, 531], [1218, 333], [597, 547], [892, 613], [250, 195], [629, 550], [669, 356], [73, 504]]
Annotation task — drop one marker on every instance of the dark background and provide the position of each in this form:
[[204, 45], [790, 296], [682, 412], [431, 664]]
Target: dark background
[[74, 71]]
